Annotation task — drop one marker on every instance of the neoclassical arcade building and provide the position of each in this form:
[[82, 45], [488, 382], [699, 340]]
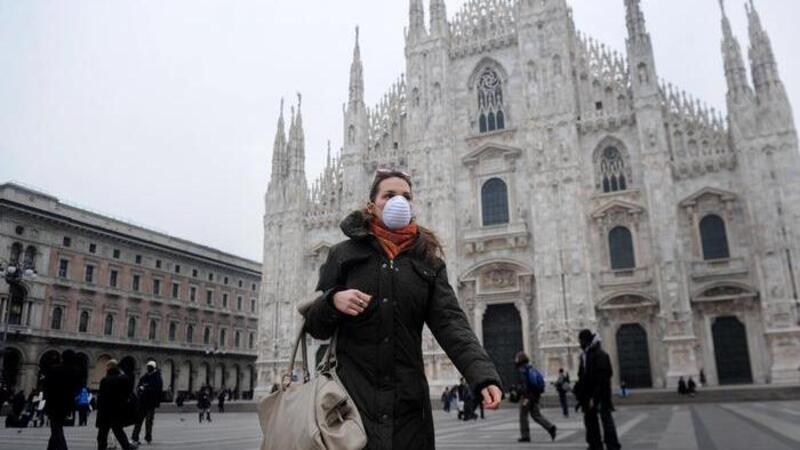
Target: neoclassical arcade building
[[112, 289], [572, 188]]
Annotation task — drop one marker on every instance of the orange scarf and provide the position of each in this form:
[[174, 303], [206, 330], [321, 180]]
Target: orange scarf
[[394, 242]]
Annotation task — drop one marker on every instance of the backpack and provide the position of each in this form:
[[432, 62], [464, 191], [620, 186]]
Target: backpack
[[535, 379]]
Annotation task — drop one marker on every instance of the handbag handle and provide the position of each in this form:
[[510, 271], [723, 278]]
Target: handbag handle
[[299, 342], [328, 362]]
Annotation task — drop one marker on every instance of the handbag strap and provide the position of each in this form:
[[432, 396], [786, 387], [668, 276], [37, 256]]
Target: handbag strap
[[329, 360], [300, 342]]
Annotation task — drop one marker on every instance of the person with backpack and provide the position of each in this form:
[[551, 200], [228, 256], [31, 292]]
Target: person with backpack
[[531, 388], [82, 402], [562, 387]]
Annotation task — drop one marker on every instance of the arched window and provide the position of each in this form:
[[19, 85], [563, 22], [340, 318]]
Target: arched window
[[30, 258], [620, 245], [83, 322], [251, 341], [613, 170], [491, 115], [207, 336], [189, 333], [494, 202], [58, 313], [237, 339], [131, 327], [151, 332], [173, 330], [222, 337], [16, 252], [108, 326], [714, 238]]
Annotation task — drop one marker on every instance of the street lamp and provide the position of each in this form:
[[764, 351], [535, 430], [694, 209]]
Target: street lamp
[[13, 277]]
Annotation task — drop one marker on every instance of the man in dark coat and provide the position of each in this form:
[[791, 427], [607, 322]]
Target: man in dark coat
[[113, 407], [61, 385], [379, 350], [149, 392], [593, 392]]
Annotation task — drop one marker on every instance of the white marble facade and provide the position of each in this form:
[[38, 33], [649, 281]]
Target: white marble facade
[[585, 141]]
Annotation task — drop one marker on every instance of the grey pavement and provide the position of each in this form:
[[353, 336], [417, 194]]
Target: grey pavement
[[726, 426]]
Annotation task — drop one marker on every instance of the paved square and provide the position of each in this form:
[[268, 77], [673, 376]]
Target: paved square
[[734, 426]]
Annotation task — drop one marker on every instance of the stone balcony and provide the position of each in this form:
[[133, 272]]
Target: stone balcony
[[496, 237], [718, 268], [634, 277]]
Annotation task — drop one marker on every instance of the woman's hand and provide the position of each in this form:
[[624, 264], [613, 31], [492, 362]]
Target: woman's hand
[[351, 302], [491, 397]]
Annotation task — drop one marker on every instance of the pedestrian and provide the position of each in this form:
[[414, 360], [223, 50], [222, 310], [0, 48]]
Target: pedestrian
[[702, 378], [38, 410], [149, 392], [593, 391], [691, 387], [61, 384], [623, 389], [221, 401], [379, 287], [114, 407], [531, 388], [82, 402], [562, 387], [682, 390], [446, 399], [204, 404]]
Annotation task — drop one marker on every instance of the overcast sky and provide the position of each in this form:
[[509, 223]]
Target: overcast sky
[[163, 111]]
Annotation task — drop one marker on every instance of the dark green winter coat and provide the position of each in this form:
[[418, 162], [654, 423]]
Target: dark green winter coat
[[380, 351]]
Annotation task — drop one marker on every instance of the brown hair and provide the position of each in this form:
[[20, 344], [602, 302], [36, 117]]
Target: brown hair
[[427, 245]]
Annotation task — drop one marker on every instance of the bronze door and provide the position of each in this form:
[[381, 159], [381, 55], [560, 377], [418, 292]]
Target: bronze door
[[502, 339]]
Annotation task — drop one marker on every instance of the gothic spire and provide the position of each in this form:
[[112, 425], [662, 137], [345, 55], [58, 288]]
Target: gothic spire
[[735, 69], [416, 20], [439, 26], [279, 150], [298, 156], [637, 30], [762, 58], [356, 77]]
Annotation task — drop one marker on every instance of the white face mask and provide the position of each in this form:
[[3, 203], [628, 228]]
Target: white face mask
[[396, 213]]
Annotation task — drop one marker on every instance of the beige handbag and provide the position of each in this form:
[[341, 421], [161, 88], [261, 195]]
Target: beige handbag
[[316, 414]]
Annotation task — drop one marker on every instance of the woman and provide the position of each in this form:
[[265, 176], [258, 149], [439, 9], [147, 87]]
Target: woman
[[112, 403], [379, 288]]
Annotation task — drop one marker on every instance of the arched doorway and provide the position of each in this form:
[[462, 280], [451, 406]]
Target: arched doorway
[[634, 356], [202, 375], [98, 371], [128, 366], [83, 367], [168, 375], [185, 377], [730, 351], [502, 338], [12, 361], [219, 377]]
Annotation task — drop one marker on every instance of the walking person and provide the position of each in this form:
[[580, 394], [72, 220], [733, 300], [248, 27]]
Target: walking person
[[149, 393], [562, 387], [204, 404], [531, 388], [221, 402], [593, 391], [446, 399], [113, 407], [61, 385], [82, 402], [38, 410], [379, 287]]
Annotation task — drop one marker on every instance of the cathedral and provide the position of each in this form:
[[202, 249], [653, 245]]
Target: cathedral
[[572, 188]]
